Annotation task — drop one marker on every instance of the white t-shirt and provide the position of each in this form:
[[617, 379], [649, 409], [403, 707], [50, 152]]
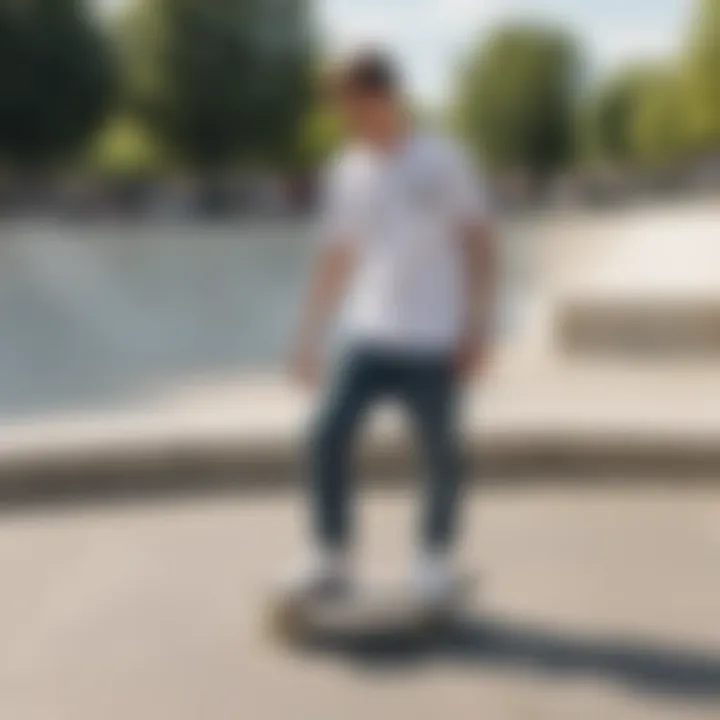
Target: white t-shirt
[[404, 213]]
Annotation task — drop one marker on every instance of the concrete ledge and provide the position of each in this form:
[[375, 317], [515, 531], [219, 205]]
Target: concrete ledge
[[202, 466], [527, 421], [639, 327]]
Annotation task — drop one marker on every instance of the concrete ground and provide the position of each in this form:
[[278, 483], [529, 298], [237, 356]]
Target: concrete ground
[[598, 603]]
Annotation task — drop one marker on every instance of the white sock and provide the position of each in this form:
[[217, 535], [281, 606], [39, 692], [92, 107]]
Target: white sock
[[332, 561], [434, 570]]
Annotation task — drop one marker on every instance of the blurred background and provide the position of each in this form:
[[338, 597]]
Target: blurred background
[[159, 164]]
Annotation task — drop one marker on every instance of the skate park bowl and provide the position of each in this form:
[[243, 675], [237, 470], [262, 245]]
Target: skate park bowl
[[113, 314]]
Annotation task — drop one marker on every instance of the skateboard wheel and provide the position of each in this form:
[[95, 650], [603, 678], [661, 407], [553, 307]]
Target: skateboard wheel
[[285, 622]]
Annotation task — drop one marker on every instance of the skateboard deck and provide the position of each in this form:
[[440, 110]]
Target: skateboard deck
[[370, 611]]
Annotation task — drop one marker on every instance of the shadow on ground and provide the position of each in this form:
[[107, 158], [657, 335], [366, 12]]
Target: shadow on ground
[[493, 643]]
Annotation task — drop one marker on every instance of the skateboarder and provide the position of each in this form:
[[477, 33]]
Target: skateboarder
[[407, 251]]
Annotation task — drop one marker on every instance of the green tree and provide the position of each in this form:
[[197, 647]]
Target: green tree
[[659, 127], [518, 98], [636, 116], [704, 74], [125, 147], [320, 134], [218, 80], [609, 117], [56, 75]]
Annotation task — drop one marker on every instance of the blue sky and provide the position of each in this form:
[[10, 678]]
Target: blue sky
[[430, 36]]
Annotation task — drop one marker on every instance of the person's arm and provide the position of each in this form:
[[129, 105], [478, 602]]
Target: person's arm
[[327, 287], [340, 231], [480, 283], [479, 258]]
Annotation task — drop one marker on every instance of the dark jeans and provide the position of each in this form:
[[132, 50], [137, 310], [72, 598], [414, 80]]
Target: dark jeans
[[426, 386]]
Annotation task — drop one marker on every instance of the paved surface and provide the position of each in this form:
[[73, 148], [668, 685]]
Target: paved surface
[[598, 604]]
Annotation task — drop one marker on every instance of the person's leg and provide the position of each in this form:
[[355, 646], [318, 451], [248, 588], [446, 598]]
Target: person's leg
[[429, 390], [358, 380]]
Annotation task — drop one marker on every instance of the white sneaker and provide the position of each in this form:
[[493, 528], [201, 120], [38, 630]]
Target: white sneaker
[[435, 581], [325, 576]]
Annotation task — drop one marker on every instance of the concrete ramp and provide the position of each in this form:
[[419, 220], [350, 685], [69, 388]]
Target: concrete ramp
[[655, 291], [105, 316]]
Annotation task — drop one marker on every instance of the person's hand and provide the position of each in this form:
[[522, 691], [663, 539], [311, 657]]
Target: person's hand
[[471, 357], [305, 367]]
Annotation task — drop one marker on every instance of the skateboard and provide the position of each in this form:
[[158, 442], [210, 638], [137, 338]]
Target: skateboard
[[375, 611]]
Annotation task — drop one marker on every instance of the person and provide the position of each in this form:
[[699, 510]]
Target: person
[[407, 247]]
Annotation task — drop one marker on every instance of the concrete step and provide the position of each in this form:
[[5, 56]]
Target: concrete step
[[528, 419]]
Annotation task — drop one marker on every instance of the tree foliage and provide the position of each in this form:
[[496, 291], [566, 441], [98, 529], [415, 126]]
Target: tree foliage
[[218, 80], [125, 147], [639, 117], [518, 98], [612, 113], [56, 75], [659, 127], [320, 134], [704, 74]]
